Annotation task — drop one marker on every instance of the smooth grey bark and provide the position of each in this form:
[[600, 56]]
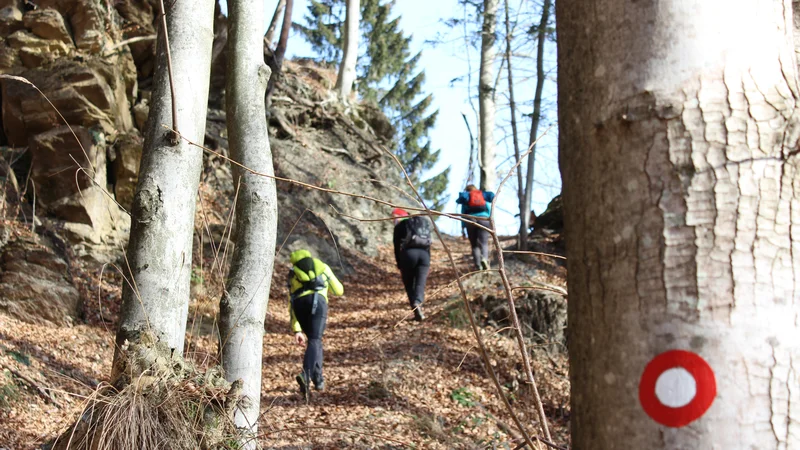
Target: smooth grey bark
[[486, 91], [527, 200], [159, 254], [280, 50], [273, 24], [678, 137], [243, 306], [347, 70]]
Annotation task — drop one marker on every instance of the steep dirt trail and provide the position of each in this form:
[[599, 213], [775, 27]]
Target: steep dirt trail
[[415, 384], [391, 382]]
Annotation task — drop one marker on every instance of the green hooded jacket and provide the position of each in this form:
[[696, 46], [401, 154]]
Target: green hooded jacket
[[298, 276]]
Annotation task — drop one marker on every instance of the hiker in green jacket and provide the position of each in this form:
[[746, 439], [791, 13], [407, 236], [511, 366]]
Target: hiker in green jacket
[[308, 282]]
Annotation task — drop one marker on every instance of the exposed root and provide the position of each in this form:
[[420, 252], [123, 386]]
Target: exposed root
[[159, 401]]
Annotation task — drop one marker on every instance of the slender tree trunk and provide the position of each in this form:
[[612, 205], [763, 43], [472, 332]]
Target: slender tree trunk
[[280, 50], [273, 24], [159, 254], [347, 70], [525, 223], [678, 153], [521, 241], [244, 303], [486, 94]]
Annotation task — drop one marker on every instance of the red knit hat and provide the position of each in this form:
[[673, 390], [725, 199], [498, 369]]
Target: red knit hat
[[399, 212]]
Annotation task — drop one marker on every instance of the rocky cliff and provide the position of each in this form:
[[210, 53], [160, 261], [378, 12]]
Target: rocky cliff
[[90, 65]]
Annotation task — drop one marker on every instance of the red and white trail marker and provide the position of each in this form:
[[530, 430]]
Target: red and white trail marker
[[677, 388]]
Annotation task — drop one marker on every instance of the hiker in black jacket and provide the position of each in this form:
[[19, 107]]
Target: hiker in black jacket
[[412, 252]]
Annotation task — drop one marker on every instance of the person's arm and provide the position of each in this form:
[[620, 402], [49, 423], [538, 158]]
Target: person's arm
[[397, 239], [488, 196], [333, 283], [293, 323]]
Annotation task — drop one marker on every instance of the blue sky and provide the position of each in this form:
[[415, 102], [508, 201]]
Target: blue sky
[[452, 59]]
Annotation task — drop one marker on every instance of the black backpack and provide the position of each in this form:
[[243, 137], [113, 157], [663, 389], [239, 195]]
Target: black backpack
[[418, 233], [316, 284]]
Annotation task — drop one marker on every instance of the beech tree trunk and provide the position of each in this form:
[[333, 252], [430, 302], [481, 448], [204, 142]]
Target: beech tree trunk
[[159, 254], [243, 306], [527, 200], [486, 106], [347, 70], [678, 151]]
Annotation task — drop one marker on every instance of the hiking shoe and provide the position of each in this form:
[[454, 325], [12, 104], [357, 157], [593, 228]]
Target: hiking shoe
[[301, 380], [419, 316], [484, 264], [320, 386]]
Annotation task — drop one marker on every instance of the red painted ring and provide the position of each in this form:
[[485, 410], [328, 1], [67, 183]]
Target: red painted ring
[[704, 396]]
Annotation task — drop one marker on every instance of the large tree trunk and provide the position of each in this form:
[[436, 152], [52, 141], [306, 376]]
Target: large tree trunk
[[525, 217], [159, 254], [347, 70], [244, 303], [678, 154], [486, 91]]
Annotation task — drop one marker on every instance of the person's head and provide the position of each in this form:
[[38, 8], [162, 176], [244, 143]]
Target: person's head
[[470, 187], [399, 214], [297, 255]]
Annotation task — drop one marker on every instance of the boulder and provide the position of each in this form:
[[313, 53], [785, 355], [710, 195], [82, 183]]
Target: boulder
[[553, 217], [48, 24], [10, 20], [35, 51], [140, 113], [34, 283], [81, 91], [542, 316]]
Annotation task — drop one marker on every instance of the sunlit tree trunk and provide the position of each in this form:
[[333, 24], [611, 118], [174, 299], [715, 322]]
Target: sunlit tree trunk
[[527, 200], [280, 50], [273, 24], [347, 70], [513, 107], [159, 254], [244, 302], [486, 92], [678, 151]]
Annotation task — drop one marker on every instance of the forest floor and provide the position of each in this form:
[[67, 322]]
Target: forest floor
[[391, 382]]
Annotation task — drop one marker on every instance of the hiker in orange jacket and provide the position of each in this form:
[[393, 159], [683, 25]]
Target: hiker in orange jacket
[[478, 204], [309, 281]]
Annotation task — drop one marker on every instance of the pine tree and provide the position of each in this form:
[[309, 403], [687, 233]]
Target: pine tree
[[387, 76]]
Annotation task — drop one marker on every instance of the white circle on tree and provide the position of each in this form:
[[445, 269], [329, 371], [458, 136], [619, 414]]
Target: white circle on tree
[[676, 387]]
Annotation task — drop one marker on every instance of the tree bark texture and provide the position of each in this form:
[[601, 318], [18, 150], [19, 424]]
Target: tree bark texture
[[486, 106], [541, 41], [159, 254], [243, 306], [347, 70], [678, 152]]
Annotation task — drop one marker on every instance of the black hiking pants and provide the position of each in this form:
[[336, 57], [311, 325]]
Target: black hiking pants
[[313, 325], [479, 241], [414, 265]]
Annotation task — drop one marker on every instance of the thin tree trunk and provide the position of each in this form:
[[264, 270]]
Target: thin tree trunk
[[486, 94], [682, 202], [347, 70], [525, 223], [243, 306], [521, 241], [280, 50], [159, 254], [273, 24]]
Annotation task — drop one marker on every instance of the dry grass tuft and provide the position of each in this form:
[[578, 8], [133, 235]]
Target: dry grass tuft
[[159, 401]]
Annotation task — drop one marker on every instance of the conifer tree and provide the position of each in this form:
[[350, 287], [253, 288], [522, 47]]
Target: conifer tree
[[387, 76]]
